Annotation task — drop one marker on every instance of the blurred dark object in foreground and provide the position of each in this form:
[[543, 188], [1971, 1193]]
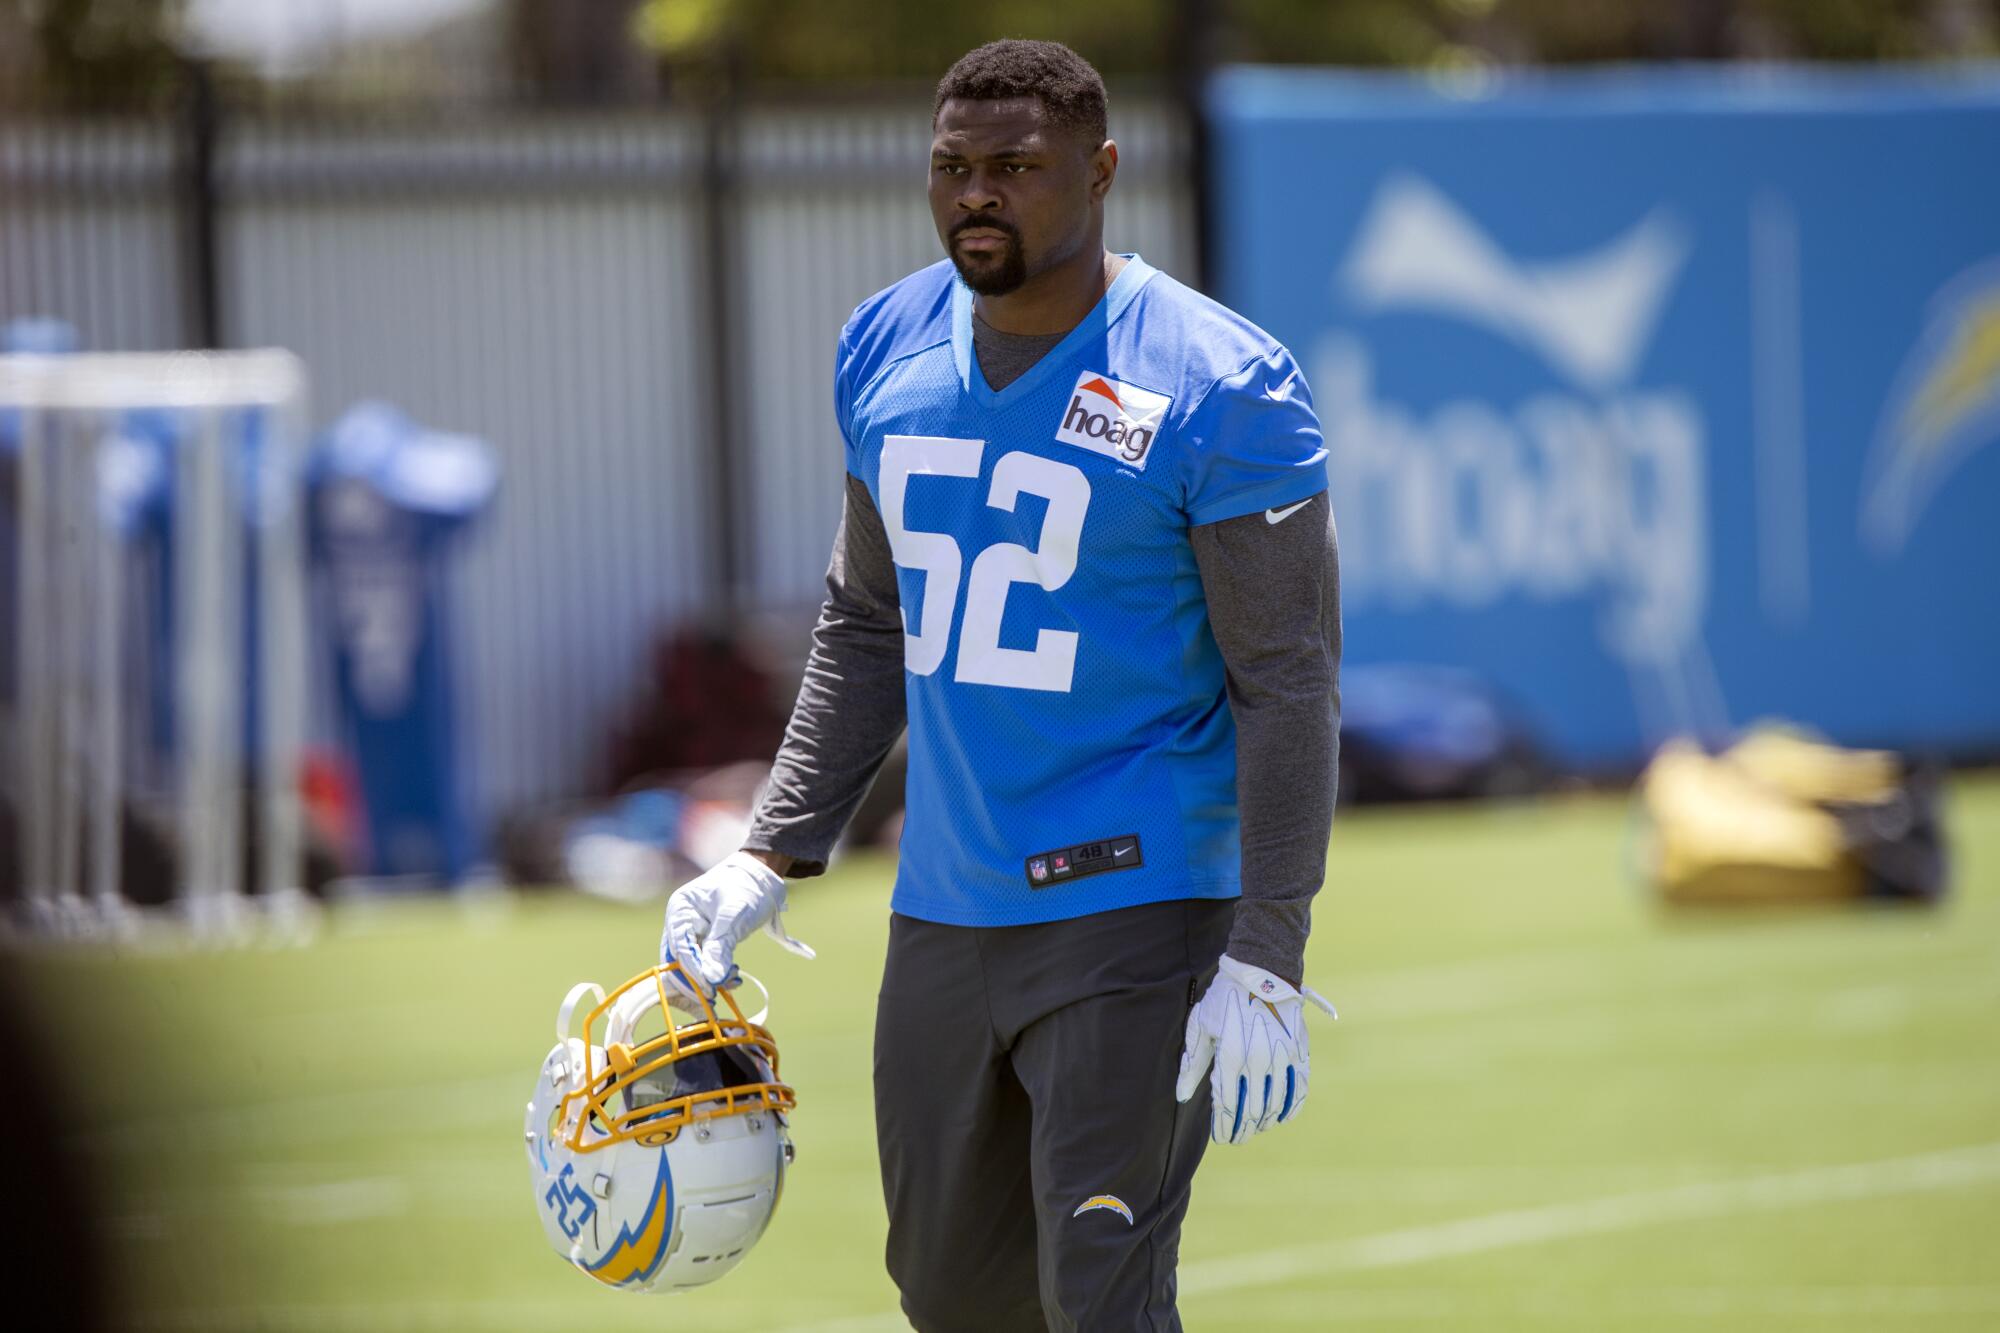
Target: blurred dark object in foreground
[[54, 1264], [1781, 817], [1420, 733]]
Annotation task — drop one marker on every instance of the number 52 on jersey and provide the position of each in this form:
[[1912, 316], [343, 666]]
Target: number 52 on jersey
[[1051, 663]]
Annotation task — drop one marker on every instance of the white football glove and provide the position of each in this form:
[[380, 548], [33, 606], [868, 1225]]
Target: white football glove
[[1252, 1024], [710, 915]]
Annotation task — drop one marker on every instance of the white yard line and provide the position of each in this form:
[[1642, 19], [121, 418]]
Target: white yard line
[[1954, 1169], [1619, 1306], [1370, 1306], [1927, 1172], [388, 1317], [438, 1317]]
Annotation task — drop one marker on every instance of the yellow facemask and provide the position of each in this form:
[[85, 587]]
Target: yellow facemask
[[709, 1060]]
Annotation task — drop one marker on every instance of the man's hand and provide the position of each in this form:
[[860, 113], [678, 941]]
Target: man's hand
[[1252, 1024], [710, 915]]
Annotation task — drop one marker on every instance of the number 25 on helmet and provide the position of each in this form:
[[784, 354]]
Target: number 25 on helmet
[[656, 1138]]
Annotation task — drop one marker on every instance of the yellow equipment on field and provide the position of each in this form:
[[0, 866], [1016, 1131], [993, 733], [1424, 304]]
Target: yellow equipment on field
[[1782, 817]]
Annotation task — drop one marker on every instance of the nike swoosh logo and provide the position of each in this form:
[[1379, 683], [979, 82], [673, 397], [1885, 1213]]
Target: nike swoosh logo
[[1117, 852], [1276, 516]]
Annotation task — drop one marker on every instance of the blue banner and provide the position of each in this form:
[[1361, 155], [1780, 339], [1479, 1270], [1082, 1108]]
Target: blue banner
[[1658, 399]]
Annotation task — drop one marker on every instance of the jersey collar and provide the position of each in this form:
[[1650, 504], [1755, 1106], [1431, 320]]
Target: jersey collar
[[1135, 275]]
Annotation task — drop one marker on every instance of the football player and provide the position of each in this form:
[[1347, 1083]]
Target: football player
[[1087, 559]]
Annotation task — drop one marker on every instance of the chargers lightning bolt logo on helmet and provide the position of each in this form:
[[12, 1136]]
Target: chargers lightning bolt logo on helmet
[[635, 1254]]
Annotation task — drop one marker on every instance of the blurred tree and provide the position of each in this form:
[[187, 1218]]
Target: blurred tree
[[824, 41], [1849, 29], [577, 51], [1419, 32], [95, 54], [103, 53], [835, 41]]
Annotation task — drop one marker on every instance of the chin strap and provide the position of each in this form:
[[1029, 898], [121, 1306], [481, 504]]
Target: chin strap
[[757, 1019], [567, 1012]]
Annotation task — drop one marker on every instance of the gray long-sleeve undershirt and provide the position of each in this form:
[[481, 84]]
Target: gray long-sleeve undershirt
[[850, 708], [1273, 593]]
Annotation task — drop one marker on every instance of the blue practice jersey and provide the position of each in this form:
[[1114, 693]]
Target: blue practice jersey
[[1071, 748]]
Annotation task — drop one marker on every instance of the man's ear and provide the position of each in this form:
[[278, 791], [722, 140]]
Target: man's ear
[[1103, 169]]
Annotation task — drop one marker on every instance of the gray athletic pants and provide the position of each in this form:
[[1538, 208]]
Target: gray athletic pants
[[1035, 1163]]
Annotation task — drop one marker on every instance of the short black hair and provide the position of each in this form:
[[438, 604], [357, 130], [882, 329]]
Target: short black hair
[[1068, 86]]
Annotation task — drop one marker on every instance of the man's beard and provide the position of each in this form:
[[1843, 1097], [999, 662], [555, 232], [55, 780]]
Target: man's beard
[[990, 275]]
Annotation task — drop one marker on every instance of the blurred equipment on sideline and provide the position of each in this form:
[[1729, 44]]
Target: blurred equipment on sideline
[[668, 828], [708, 701], [1780, 817], [656, 1139], [158, 633], [391, 502], [1413, 732], [687, 762], [642, 842]]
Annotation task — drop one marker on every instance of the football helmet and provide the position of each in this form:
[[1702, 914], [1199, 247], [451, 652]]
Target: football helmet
[[657, 1142]]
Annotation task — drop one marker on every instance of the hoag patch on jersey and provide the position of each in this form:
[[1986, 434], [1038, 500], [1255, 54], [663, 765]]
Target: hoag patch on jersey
[[1117, 420]]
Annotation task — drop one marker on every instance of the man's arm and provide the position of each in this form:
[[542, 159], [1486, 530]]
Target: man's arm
[[850, 707], [1273, 593]]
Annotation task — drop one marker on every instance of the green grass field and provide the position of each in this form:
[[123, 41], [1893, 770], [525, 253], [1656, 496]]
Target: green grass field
[[1545, 1107]]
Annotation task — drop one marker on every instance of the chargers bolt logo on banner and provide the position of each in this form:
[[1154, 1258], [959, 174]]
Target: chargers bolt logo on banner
[[1113, 419], [1944, 405]]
